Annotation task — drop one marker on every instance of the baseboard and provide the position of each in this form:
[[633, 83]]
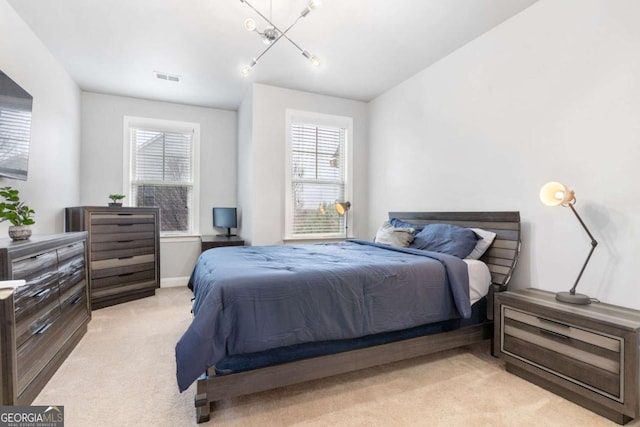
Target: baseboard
[[174, 282]]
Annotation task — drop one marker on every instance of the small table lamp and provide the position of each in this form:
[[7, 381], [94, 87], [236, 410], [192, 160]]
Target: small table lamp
[[556, 194], [343, 209]]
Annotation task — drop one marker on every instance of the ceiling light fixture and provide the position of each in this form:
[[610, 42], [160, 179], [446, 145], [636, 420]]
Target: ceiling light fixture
[[271, 34]]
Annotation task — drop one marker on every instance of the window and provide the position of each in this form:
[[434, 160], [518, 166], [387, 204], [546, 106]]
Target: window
[[318, 164], [162, 171]]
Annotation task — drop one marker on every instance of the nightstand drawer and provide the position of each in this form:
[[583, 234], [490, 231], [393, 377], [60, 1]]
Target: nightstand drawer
[[586, 357]]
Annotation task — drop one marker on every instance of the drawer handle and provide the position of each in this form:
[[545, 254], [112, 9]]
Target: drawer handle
[[77, 300], [555, 334], [125, 241], [125, 274], [125, 225], [125, 257], [41, 293], [43, 328], [542, 319], [124, 214]]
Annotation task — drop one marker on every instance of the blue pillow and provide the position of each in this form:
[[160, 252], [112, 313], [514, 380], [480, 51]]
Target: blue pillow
[[447, 239], [401, 224]]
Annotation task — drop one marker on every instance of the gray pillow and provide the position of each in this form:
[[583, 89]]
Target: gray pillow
[[389, 235]]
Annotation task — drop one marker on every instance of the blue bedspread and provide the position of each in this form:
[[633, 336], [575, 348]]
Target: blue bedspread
[[255, 298]]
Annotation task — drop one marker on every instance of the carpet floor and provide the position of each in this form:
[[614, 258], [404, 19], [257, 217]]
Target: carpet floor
[[122, 373]]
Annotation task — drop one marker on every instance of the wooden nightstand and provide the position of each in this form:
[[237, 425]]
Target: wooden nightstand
[[585, 353], [209, 242]]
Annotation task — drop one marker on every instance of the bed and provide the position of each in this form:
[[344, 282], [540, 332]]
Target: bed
[[270, 323]]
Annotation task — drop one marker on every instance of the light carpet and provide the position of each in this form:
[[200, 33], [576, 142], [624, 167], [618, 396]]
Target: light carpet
[[122, 373]]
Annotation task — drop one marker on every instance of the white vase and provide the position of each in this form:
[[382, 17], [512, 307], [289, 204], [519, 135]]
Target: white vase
[[19, 232]]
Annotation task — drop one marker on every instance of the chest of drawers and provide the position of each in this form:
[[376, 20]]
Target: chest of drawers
[[124, 251], [585, 353], [42, 321]]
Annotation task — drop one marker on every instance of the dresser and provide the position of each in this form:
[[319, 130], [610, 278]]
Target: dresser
[[124, 251], [585, 353], [42, 321]]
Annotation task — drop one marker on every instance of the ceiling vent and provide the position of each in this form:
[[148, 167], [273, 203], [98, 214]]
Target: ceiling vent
[[166, 76]]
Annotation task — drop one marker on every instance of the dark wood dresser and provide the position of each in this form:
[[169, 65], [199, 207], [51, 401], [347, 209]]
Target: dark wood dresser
[[42, 321], [124, 251], [585, 353]]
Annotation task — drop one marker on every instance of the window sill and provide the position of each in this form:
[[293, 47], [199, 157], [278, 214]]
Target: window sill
[[180, 238]]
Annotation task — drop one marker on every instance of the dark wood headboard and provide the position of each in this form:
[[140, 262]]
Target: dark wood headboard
[[502, 255]]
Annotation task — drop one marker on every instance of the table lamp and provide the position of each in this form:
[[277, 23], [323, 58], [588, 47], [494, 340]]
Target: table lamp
[[557, 194], [343, 209]]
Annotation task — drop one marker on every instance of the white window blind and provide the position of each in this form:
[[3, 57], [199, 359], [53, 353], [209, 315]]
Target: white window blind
[[317, 180], [162, 175], [15, 132]]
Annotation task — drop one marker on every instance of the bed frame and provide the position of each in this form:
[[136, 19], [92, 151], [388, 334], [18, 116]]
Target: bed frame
[[501, 257]]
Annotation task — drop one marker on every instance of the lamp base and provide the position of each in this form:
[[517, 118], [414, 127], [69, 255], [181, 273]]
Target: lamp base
[[581, 299]]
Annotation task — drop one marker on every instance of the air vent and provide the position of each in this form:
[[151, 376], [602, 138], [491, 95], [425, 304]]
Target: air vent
[[166, 76]]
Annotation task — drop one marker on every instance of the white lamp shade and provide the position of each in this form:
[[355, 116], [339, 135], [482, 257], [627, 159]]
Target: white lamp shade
[[555, 193]]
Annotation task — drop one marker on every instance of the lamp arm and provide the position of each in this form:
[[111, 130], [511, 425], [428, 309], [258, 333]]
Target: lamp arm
[[594, 243]]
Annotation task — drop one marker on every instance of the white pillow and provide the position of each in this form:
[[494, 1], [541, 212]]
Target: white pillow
[[485, 240], [389, 235]]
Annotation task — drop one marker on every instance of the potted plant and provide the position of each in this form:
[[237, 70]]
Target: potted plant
[[116, 199], [17, 213]]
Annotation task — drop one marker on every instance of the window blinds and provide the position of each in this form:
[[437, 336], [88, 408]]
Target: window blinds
[[317, 178], [162, 175]]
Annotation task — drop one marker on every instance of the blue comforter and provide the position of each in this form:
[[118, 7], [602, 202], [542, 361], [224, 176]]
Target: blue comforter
[[255, 298]]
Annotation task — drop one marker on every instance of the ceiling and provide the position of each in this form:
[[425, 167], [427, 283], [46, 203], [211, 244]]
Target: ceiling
[[366, 46]]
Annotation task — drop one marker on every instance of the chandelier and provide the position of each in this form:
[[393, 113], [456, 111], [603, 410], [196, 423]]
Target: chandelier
[[271, 34]]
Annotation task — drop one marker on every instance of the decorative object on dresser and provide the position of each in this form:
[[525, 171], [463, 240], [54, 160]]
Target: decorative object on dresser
[[556, 194], [116, 200], [209, 242], [225, 218], [585, 353], [17, 213], [124, 251], [42, 321]]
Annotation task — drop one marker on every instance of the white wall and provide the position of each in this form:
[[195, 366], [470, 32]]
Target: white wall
[[245, 168], [267, 157], [551, 94], [53, 180], [102, 164]]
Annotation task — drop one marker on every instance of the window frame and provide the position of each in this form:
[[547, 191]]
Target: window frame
[[319, 120], [162, 125]]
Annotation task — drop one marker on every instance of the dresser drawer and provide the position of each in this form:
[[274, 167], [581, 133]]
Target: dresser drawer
[[588, 358], [28, 268], [123, 251], [35, 292], [115, 263], [121, 218], [40, 345]]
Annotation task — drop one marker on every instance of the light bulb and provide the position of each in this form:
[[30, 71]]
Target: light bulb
[[312, 58], [249, 24], [245, 70], [314, 3]]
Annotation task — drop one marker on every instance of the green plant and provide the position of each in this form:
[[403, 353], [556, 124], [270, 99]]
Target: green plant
[[115, 198], [13, 210]]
